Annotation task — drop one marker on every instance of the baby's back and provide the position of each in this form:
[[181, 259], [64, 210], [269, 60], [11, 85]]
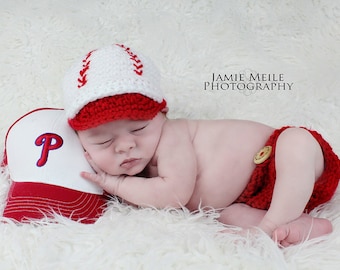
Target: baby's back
[[225, 150]]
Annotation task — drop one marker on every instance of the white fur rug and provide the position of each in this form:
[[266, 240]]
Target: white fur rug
[[189, 41]]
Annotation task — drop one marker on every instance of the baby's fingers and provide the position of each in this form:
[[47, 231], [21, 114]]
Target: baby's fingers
[[101, 180], [93, 177]]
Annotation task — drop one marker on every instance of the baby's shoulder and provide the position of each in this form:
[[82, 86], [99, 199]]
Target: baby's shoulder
[[176, 127], [175, 137]]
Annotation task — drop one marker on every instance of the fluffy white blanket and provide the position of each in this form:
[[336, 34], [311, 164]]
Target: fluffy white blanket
[[189, 41]]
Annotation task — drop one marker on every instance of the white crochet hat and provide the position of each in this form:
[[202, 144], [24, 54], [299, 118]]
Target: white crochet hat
[[109, 84]]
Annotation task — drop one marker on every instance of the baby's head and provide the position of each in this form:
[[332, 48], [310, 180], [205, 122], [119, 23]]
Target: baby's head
[[112, 83]]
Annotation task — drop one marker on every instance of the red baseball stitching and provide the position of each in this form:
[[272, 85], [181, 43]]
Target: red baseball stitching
[[82, 80], [137, 63]]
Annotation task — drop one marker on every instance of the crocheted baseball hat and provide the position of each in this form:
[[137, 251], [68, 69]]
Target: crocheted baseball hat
[[44, 159], [111, 83]]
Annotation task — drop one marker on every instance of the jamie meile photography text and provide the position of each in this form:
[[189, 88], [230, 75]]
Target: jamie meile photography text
[[247, 81]]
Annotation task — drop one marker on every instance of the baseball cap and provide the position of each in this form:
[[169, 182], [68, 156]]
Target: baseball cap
[[44, 159]]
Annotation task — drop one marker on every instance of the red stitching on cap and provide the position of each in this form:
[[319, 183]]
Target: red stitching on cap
[[137, 63], [82, 80]]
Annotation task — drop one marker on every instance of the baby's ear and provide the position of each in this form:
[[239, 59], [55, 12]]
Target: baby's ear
[[165, 110]]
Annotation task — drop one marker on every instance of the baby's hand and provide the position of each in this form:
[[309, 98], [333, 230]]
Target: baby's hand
[[109, 183]]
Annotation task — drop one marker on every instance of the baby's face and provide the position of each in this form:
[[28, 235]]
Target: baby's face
[[123, 146]]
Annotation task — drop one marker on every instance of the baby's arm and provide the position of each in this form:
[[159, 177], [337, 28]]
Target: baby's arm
[[174, 185]]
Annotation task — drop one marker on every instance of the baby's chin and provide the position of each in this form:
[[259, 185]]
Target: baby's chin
[[135, 172], [139, 169]]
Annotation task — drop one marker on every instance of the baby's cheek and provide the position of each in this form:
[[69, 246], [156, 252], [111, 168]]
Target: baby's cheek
[[100, 160]]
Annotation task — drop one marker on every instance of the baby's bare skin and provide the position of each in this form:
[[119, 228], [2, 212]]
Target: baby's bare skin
[[197, 163], [224, 150]]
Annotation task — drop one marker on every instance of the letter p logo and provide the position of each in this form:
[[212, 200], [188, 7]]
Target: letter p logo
[[48, 141]]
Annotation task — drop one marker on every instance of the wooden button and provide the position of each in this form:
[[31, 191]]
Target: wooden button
[[263, 155]]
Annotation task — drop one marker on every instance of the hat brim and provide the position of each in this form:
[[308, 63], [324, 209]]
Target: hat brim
[[31, 201], [120, 107]]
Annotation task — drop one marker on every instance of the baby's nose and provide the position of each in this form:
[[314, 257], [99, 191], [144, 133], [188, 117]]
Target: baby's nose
[[124, 145]]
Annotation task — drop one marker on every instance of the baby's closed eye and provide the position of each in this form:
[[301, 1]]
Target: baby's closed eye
[[139, 128], [103, 142]]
